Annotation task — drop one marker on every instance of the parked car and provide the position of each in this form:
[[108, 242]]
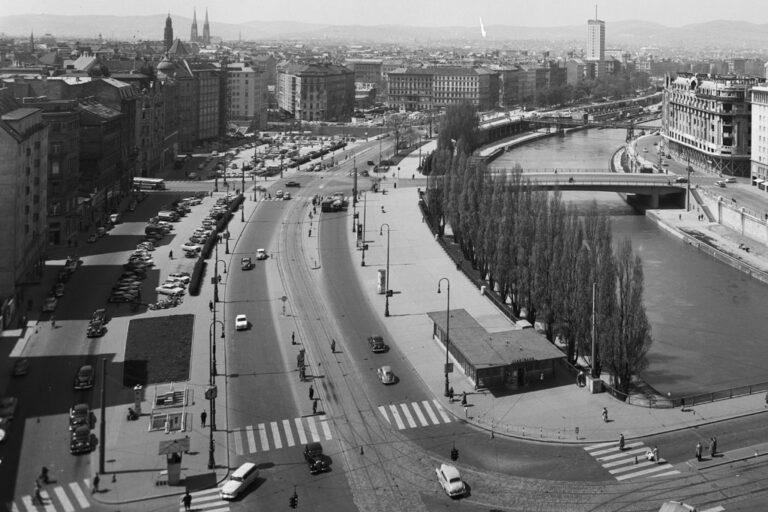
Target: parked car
[[58, 290], [169, 289], [8, 407], [189, 247], [385, 375], [239, 481], [241, 322], [80, 440], [720, 183], [313, 454], [21, 367], [730, 179], [376, 343], [79, 414], [450, 480], [49, 305], [95, 329], [84, 377]]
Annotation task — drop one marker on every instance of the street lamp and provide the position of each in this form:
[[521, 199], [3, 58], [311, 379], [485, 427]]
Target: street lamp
[[216, 274], [593, 370], [242, 192], [688, 187], [365, 203], [447, 327], [386, 291], [379, 151], [211, 387]]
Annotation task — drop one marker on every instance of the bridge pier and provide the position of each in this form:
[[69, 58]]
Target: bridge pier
[[654, 201]]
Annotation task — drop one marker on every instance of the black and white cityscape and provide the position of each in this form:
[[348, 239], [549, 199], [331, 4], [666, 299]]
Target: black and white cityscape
[[338, 257]]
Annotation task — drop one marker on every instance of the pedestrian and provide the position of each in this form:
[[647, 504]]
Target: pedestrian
[[621, 442], [333, 346], [311, 392], [464, 399], [203, 417], [95, 483], [656, 454], [293, 338], [187, 501], [210, 305], [766, 399], [450, 393], [605, 414], [466, 412], [713, 447], [53, 322], [170, 254], [38, 495], [44, 475], [698, 451], [314, 406]]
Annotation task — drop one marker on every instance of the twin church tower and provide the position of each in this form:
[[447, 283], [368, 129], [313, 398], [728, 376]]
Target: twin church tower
[[193, 36]]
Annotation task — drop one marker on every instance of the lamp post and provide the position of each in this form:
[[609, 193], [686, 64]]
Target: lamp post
[[386, 291], [379, 151], [365, 204], [689, 169], [216, 275], [447, 326], [593, 370], [242, 191], [211, 387]]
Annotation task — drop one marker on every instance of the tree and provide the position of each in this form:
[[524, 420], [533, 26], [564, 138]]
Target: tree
[[460, 122], [625, 353]]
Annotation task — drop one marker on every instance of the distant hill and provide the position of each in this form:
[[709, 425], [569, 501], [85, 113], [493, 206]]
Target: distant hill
[[730, 34]]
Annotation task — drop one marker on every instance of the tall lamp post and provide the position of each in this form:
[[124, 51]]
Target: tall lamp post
[[386, 291], [242, 191], [211, 392], [688, 187], [593, 370], [447, 326], [216, 274], [365, 204]]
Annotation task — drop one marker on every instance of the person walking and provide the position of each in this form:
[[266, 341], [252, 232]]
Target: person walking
[[621, 442], [314, 406], [170, 254], [210, 305], [656, 454], [464, 399], [450, 394], [38, 497], [698, 451], [333, 346], [293, 338], [713, 447], [95, 484], [53, 322], [605, 414], [44, 475], [311, 392], [203, 417], [187, 501]]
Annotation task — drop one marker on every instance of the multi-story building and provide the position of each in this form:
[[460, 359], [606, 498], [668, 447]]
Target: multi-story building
[[200, 94], [23, 198], [316, 92], [706, 121], [367, 71], [247, 95], [596, 44], [411, 89], [759, 151], [439, 87]]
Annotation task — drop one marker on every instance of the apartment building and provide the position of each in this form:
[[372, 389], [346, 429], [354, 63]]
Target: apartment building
[[316, 92], [706, 120], [413, 89], [247, 95], [759, 151]]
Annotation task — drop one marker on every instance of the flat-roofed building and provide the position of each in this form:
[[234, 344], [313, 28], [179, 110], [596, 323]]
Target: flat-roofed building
[[316, 92], [247, 95], [759, 151]]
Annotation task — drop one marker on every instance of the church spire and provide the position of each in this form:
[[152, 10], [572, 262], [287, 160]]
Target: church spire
[[206, 29], [193, 37], [168, 33]]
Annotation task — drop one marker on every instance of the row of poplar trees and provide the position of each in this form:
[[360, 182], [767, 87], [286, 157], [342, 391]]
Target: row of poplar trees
[[551, 263]]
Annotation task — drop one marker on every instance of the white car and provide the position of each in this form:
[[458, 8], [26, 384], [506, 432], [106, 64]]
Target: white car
[[239, 481], [261, 254], [450, 480], [169, 289], [241, 322], [730, 179], [191, 247], [385, 375]]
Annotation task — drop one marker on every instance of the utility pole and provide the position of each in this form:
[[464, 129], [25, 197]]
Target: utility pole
[[103, 423]]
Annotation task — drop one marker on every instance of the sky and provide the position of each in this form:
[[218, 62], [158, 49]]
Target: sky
[[531, 13]]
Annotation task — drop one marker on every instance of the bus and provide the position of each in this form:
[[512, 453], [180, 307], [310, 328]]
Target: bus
[[148, 183]]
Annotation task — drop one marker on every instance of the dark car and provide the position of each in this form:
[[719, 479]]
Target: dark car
[[377, 344], [95, 329], [80, 440], [79, 414], [313, 454], [293, 184], [681, 179], [84, 377], [246, 263], [21, 367]]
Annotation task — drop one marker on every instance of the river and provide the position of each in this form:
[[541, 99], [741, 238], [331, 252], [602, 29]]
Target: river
[[706, 317]]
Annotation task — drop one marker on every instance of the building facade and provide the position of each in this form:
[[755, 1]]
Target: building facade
[[23, 199], [411, 89], [247, 95], [316, 92], [706, 120], [759, 151], [595, 44]]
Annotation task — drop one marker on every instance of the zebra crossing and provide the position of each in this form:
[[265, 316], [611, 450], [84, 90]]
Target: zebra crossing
[[405, 415], [207, 500], [296, 197], [630, 462], [65, 497], [275, 435]]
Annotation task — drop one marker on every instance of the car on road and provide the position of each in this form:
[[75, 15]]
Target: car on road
[[169, 289], [49, 305], [385, 375], [84, 377], [21, 367], [80, 440], [286, 195], [189, 247], [681, 179], [292, 184], [720, 183], [58, 290], [730, 179], [261, 254], [8, 407], [279, 194], [313, 454], [241, 322], [450, 480], [95, 329], [79, 414], [246, 263], [376, 343], [179, 274], [239, 481]]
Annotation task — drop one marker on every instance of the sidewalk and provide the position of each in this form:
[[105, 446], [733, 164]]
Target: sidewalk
[[555, 414]]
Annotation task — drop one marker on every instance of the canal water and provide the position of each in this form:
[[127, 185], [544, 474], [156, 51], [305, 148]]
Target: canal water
[[707, 318]]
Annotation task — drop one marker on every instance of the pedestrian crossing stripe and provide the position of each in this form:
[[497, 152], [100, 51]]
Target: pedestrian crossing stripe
[[68, 497], [629, 462], [276, 435], [207, 500], [415, 414]]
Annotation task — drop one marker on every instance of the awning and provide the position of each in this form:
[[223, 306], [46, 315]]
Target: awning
[[759, 181]]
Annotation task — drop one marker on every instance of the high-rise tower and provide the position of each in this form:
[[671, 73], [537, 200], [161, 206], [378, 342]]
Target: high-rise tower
[[206, 29], [596, 43], [168, 33], [193, 37]]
